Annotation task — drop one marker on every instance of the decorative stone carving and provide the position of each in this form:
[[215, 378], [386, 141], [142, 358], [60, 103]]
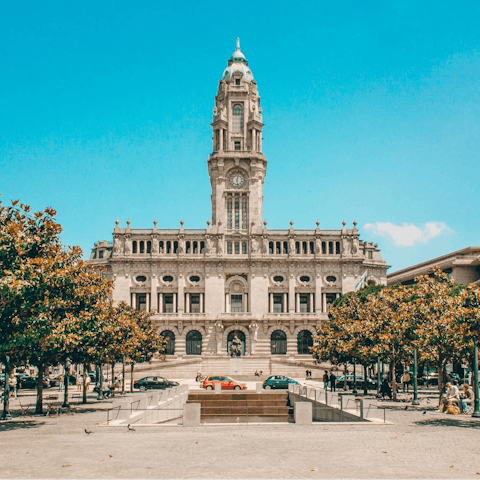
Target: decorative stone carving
[[181, 245], [318, 246], [219, 336], [345, 246], [208, 244], [155, 245], [254, 244], [265, 245], [220, 245], [236, 347], [117, 245], [291, 246], [355, 246], [128, 245]]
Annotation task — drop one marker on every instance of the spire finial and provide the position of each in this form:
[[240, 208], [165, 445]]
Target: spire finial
[[238, 43]]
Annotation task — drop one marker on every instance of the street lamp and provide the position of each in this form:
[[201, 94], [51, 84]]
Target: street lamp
[[100, 385], [476, 410], [415, 398]]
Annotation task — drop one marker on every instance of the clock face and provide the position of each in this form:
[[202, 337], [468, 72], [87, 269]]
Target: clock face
[[237, 180]]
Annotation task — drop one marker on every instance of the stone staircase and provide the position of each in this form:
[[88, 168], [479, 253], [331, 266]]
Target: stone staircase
[[242, 407]]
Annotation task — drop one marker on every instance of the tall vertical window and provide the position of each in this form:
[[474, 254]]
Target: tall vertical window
[[304, 304], [236, 304], [244, 248], [244, 213], [195, 303], [237, 248], [229, 213], [237, 214], [277, 304], [237, 118]]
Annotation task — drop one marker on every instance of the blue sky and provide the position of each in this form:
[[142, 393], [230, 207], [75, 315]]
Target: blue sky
[[371, 112]]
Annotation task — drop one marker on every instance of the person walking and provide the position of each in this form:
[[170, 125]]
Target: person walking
[[79, 382], [12, 383], [61, 379], [405, 381], [333, 380], [325, 380]]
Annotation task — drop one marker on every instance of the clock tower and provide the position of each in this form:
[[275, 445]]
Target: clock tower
[[237, 165]]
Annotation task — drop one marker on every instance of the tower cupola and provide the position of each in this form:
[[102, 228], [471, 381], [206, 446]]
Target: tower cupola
[[238, 63]]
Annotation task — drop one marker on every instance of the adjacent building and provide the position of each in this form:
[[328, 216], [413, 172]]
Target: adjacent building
[[269, 287]]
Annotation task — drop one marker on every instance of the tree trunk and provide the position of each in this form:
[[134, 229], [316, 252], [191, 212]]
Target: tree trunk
[[441, 379], [65, 386], [365, 384], [39, 405], [131, 377], [394, 379], [85, 373], [113, 379], [345, 385]]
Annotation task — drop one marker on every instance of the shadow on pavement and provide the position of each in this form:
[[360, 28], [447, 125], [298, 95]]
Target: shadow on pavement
[[447, 422], [20, 425]]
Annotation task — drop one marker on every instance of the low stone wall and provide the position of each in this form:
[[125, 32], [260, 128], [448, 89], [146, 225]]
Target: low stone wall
[[332, 407], [155, 406]]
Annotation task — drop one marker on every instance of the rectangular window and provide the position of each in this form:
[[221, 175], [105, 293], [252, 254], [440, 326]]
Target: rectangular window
[[141, 302], [244, 248], [229, 248], [330, 299], [229, 213], [236, 305], [237, 214], [237, 248], [304, 303], [237, 146], [168, 304], [277, 304], [244, 213], [195, 303], [237, 81], [100, 254]]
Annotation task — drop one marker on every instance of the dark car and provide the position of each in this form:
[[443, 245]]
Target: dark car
[[153, 383], [54, 382], [30, 383], [278, 382], [371, 384]]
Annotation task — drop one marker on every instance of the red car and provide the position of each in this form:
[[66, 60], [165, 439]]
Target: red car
[[226, 382]]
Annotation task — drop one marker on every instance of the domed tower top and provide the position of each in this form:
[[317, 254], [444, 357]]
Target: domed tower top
[[238, 63]]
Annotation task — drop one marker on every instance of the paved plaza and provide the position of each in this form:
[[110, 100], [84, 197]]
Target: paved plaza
[[415, 445]]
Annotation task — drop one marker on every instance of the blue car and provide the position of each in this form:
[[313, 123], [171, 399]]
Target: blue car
[[278, 382]]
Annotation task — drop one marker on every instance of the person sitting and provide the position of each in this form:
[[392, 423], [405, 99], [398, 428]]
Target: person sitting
[[385, 390], [106, 390], [467, 397], [256, 373], [450, 399]]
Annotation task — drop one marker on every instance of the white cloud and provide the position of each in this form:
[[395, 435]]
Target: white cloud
[[407, 235]]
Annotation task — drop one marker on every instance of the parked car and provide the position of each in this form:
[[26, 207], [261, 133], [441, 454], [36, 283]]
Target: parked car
[[278, 382], [153, 383], [227, 383], [30, 383], [371, 384], [54, 381]]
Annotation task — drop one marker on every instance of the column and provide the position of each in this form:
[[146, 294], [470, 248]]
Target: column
[[291, 293], [312, 306], [187, 303], [220, 141], [324, 295], [338, 295], [147, 302], [180, 293], [260, 141], [297, 306], [247, 309], [285, 305], [254, 140], [201, 303], [271, 302], [174, 303], [153, 293], [160, 306], [134, 301], [243, 303]]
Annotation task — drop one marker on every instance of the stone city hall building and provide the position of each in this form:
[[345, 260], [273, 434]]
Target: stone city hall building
[[269, 287]]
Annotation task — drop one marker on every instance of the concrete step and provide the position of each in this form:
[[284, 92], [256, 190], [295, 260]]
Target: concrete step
[[247, 419], [240, 403], [236, 396], [262, 411]]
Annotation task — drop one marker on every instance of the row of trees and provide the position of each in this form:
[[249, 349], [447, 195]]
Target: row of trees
[[436, 316], [54, 307]]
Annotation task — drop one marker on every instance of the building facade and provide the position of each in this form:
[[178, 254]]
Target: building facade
[[463, 266], [271, 288]]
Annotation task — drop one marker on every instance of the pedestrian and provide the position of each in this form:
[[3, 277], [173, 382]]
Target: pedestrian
[[385, 390], [61, 379], [450, 400], [405, 381], [88, 380], [333, 380], [325, 380], [306, 374], [79, 382], [12, 383]]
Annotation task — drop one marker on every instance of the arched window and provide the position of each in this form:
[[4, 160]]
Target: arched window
[[195, 248], [175, 247], [337, 248], [187, 247], [232, 335], [324, 248], [134, 246], [170, 342], [330, 248], [161, 246], [237, 118], [194, 343], [278, 248], [305, 248], [278, 343], [304, 342], [312, 248], [270, 248], [142, 247], [149, 247], [169, 247], [285, 247], [202, 247], [297, 248]]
